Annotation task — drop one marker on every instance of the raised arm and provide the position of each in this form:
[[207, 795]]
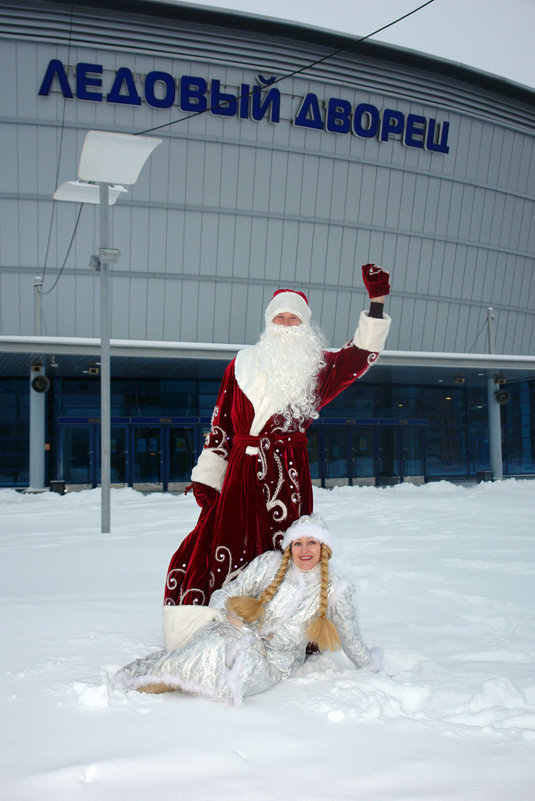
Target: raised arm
[[357, 356]]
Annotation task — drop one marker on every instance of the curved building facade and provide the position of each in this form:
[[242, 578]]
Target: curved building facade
[[290, 156]]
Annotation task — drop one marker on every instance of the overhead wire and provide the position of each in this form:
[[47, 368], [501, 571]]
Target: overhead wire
[[506, 332], [289, 74], [62, 128], [68, 251], [477, 335]]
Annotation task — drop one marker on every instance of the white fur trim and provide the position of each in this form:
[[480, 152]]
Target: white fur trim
[[170, 679], [210, 469], [249, 378], [236, 661], [291, 302], [273, 565], [339, 588], [180, 622], [371, 332], [252, 383]]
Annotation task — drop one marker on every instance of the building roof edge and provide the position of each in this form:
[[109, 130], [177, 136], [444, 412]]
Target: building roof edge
[[244, 21]]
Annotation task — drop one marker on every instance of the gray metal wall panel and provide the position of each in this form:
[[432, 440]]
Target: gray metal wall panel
[[435, 267], [171, 312], [235, 324], [66, 303], [259, 199], [27, 227], [438, 332], [255, 306], [288, 253], [137, 298], [273, 237], [205, 314], [304, 253], [155, 309], [191, 249], [240, 252], [8, 160], [348, 268], [9, 240], [11, 302], [120, 304]]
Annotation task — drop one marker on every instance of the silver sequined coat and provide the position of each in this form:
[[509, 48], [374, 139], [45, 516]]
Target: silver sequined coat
[[227, 663]]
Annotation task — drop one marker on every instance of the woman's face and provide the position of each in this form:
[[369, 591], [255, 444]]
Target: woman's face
[[306, 552]]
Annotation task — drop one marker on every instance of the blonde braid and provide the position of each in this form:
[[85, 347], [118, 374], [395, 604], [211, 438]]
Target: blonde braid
[[249, 608], [270, 591], [322, 631]]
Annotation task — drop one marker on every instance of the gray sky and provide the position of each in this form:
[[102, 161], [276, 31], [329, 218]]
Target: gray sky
[[492, 35]]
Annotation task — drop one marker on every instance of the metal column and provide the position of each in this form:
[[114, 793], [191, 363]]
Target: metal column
[[494, 412]]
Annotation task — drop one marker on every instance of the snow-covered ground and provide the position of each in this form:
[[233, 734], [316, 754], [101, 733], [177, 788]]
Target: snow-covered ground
[[445, 578]]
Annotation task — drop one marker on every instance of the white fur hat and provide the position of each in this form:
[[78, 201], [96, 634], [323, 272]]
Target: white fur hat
[[308, 526], [289, 300]]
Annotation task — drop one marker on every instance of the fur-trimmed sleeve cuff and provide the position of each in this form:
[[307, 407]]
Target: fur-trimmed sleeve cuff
[[210, 469], [371, 332], [180, 622]]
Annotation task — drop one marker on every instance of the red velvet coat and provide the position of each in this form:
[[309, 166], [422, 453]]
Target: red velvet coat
[[265, 477]]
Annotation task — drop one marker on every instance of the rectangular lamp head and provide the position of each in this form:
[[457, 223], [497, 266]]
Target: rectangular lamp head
[[84, 192], [111, 158]]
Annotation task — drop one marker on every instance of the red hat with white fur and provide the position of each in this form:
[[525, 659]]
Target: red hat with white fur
[[290, 301]]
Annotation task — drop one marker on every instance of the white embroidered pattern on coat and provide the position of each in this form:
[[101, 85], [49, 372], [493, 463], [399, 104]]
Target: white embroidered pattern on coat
[[272, 501], [295, 496], [222, 554], [218, 436], [184, 597], [274, 504]]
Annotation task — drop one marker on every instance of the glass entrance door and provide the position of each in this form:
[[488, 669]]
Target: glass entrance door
[[367, 453], [147, 458], [79, 461], [412, 454], [388, 461], [118, 456], [400, 454], [363, 455], [336, 462], [182, 456], [77, 456]]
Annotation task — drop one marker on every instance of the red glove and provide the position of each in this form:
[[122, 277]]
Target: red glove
[[376, 280], [204, 495]]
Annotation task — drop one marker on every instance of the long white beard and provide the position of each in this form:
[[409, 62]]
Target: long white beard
[[292, 357]]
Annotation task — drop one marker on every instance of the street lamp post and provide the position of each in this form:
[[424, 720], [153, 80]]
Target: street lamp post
[[105, 368], [107, 161], [38, 386]]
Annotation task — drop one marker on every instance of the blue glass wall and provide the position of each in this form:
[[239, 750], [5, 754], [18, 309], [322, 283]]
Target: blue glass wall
[[14, 432], [452, 422]]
